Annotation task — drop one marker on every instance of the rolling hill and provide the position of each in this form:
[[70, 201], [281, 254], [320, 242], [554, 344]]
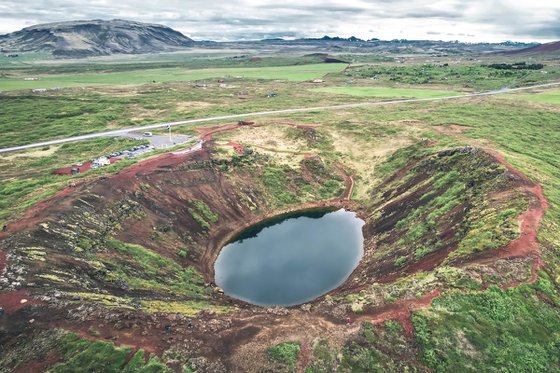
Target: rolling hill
[[548, 48]]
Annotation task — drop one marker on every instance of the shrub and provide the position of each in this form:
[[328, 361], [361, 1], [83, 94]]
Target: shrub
[[285, 353], [400, 261]]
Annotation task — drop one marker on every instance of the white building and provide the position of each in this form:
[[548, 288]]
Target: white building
[[100, 162]]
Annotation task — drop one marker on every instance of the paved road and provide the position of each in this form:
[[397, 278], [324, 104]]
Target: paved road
[[272, 112]]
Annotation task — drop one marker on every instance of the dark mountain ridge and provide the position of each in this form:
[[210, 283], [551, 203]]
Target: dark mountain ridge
[[95, 38]]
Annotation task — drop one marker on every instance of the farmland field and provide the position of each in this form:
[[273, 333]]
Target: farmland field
[[291, 73], [386, 92]]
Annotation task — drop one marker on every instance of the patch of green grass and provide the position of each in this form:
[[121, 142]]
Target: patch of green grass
[[189, 308], [277, 182], [82, 355], [393, 327], [97, 356], [490, 229], [183, 253], [331, 189], [142, 268], [206, 211], [199, 219], [546, 97], [494, 330], [286, 353], [386, 92], [368, 352], [324, 358], [400, 261]]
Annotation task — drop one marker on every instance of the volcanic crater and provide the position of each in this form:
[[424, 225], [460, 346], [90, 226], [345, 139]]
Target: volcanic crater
[[129, 258]]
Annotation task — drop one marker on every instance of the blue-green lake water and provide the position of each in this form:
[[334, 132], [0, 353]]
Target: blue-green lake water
[[291, 260]]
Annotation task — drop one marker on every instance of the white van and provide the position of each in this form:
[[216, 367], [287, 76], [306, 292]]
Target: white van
[[148, 134]]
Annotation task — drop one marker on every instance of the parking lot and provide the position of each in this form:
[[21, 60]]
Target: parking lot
[[159, 141]]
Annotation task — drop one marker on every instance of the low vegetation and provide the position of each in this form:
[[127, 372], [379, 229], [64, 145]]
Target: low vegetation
[[137, 268], [495, 330], [385, 92], [478, 77], [285, 354]]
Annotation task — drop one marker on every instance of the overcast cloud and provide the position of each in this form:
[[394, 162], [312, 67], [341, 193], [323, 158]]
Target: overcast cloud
[[465, 20]]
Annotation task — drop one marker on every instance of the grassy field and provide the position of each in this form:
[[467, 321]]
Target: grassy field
[[292, 73], [545, 97], [386, 92]]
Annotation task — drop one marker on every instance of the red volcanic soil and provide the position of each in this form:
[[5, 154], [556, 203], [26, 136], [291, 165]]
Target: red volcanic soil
[[400, 311], [30, 217], [207, 132], [348, 180], [239, 149], [3, 260], [11, 301], [164, 161]]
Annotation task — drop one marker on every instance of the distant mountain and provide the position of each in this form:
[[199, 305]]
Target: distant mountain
[[94, 38], [547, 48], [335, 45], [76, 39]]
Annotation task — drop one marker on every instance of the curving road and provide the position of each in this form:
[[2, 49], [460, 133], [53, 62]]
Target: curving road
[[271, 112]]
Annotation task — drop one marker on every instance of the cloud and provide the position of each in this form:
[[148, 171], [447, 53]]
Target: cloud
[[475, 20]]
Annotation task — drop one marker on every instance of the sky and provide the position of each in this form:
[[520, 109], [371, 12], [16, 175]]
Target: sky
[[463, 20]]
